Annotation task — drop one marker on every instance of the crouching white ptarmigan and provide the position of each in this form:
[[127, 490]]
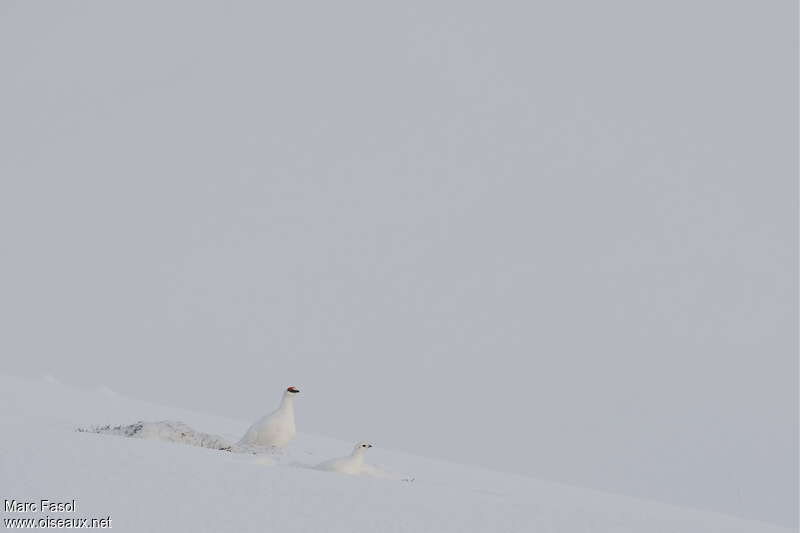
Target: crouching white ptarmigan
[[275, 429], [353, 464]]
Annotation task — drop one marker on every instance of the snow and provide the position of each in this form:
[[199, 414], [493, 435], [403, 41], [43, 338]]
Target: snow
[[146, 484]]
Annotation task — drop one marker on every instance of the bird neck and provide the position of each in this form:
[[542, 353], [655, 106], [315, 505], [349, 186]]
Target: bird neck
[[287, 403], [358, 454]]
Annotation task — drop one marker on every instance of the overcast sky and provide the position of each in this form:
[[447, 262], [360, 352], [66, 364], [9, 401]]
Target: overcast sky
[[553, 238]]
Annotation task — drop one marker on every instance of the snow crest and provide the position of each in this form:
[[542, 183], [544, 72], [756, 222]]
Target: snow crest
[[168, 431]]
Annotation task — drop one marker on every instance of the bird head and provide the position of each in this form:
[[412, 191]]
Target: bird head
[[362, 447]]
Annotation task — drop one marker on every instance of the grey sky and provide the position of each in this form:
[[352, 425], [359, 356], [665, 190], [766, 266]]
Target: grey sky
[[554, 238]]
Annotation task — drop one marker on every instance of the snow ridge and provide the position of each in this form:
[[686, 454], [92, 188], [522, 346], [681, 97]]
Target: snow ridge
[[167, 431]]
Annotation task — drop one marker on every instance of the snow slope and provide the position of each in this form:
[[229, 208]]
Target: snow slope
[[150, 485]]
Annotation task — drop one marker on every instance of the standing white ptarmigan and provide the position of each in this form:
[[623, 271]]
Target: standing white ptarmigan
[[275, 429], [353, 464]]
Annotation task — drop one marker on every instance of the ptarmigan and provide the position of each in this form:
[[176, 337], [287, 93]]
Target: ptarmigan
[[275, 429], [353, 464]]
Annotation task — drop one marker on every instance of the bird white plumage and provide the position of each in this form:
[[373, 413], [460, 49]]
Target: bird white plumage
[[277, 428], [352, 464]]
